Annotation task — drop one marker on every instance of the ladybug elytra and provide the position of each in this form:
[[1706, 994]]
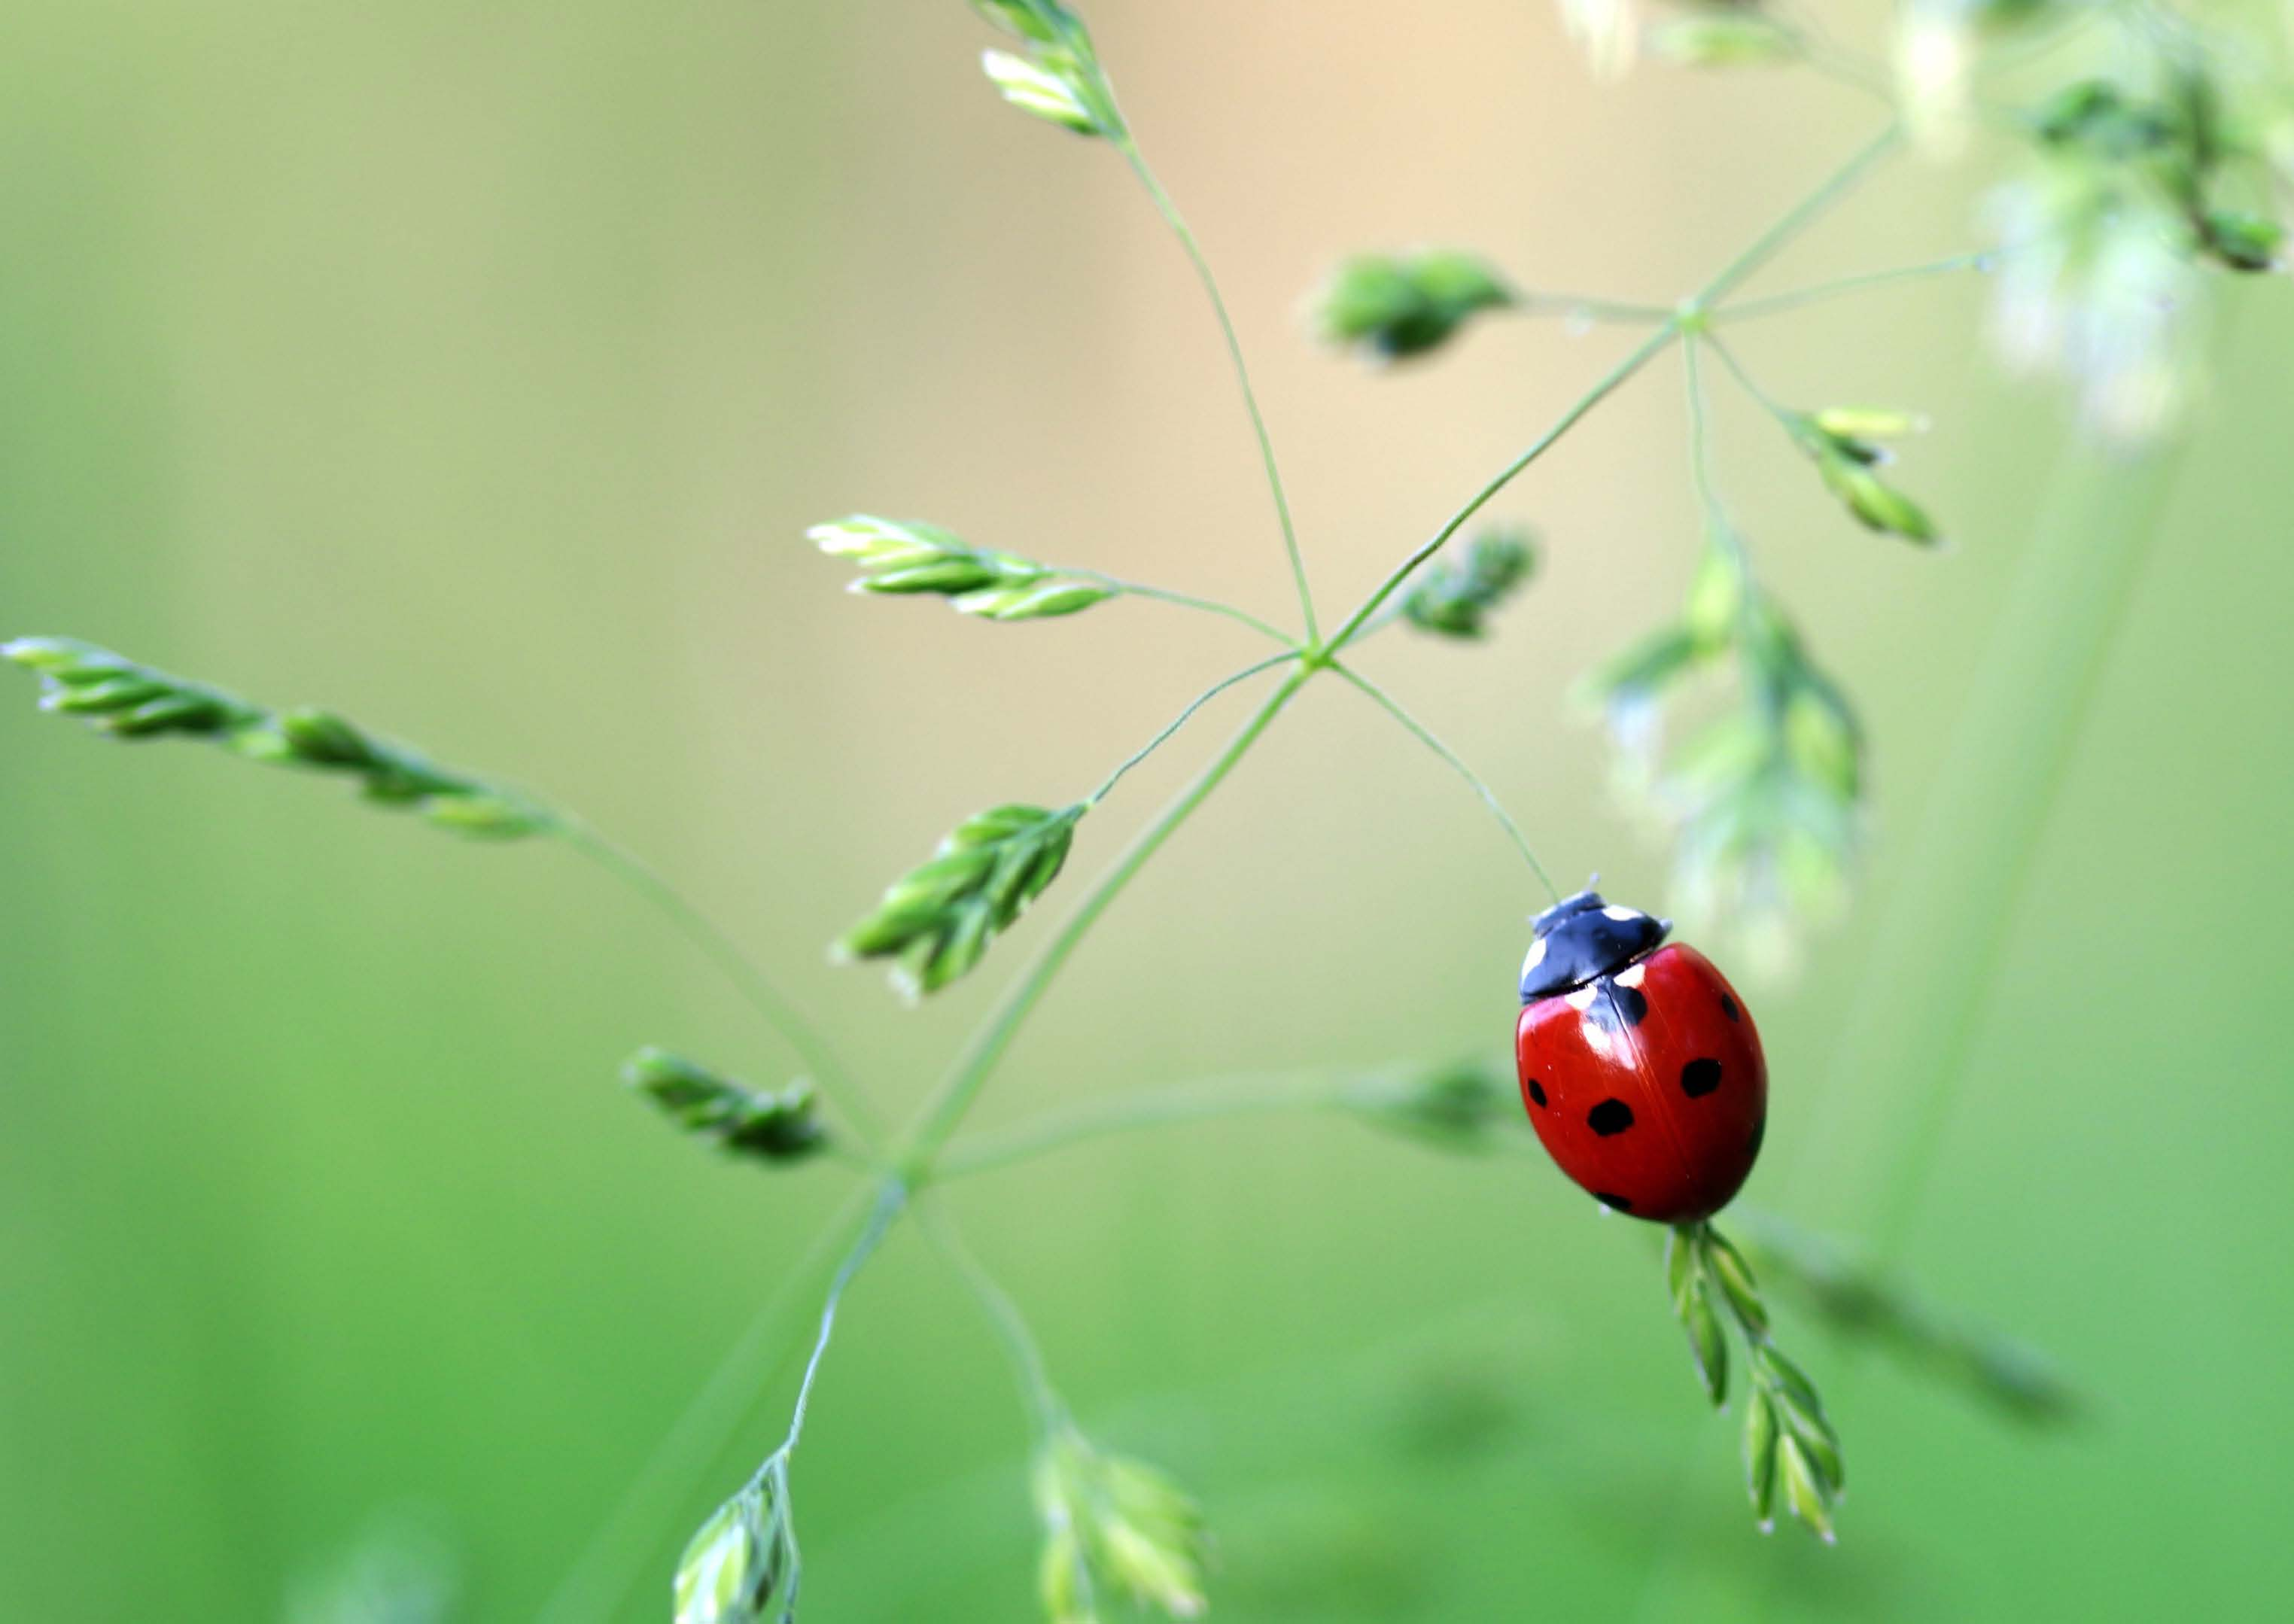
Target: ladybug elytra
[[1640, 1066]]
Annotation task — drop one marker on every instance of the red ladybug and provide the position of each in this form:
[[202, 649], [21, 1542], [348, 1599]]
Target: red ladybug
[[1640, 1065]]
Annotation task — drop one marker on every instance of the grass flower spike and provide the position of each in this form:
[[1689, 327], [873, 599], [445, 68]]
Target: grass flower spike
[[1115, 1525], [938, 919], [2123, 204], [1789, 1443], [1055, 75], [1455, 596], [906, 558], [116, 695], [1846, 461], [780, 1127], [113, 695], [1469, 1107], [742, 1567], [1394, 307], [1841, 442]]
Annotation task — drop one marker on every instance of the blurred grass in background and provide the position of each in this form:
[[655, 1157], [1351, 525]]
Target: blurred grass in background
[[477, 372]]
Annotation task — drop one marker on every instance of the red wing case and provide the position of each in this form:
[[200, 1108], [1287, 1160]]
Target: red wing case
[[1649, 1086]]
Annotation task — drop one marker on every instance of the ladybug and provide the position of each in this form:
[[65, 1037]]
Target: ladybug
[[1640, 1066]]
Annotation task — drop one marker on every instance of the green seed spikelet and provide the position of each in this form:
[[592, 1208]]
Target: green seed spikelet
[[1788, 1440], [114, 695], [938, 919], [1395, 306], [1055, 75], [742, 1567], [1455, 596], [908, 556], [1116, 1524], [782, 1128]]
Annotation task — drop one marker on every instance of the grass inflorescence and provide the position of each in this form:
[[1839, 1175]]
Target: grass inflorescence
[[2133, 190], [117, 696]]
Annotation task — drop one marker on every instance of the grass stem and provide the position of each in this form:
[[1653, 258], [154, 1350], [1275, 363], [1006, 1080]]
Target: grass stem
[[1180, 720], [835, 1078], [1170, 210], [613, 1561], [892, 1196], [1640, 357], [1041, 1400], [1187, 600], [1432, 741], [1802, 215], [1800, 298]]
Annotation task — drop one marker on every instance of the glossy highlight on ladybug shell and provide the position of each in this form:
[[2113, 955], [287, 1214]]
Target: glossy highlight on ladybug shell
[[1640, 1068]]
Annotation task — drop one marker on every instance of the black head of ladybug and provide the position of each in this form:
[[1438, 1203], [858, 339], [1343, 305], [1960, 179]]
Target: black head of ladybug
[[1582, 937]]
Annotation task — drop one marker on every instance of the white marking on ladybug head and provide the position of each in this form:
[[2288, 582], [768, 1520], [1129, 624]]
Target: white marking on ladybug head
[[1630, 977], [1623, 916], [1537, 956]]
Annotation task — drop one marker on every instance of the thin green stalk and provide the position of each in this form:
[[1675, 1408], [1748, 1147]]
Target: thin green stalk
[[1202, 1099], [1384, 618], [1186, 600], [1197, 1101], [613, 1562], [835, 1079], [1632, 363], [957, 1090], [1802, 215], [1571, 306], [1751, 385], [1186, 236], [1197, 703], [1700, 464], [1776, 303], [1426, 737], [1042, 1401], [892, 1196]]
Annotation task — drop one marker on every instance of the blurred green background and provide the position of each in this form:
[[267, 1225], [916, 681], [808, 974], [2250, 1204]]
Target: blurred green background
[[476, 368]]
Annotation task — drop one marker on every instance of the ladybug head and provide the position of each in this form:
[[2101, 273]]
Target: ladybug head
[[1582, 937]]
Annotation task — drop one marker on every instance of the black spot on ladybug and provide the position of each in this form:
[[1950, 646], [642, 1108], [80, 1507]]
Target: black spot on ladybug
[[1699, 1078], [1729, 1007], [1760, 1133], [1536, 1092], [1610, 1116], [1614, 1006], [1619, 1202]]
